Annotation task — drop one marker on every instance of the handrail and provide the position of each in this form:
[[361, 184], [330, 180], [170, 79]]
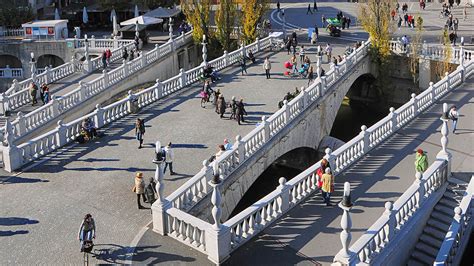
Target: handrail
[[459, 230]]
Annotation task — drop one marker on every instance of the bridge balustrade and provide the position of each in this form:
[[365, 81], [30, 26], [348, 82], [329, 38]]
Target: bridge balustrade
[[84, 91], [458, 234], [16, 156]]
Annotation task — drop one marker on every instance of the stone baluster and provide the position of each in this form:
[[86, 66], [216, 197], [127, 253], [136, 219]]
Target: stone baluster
[[93, 42], [3, 104], [414, 102], [218, 237], [99, 116], [182, 78], [208, 173], [158, 89], [318, 67], [15, 86], [331, 159], [204, 51], [61, 131], [21, 121], [226, 59], [82, 91], [448, 81], [266, 129], [284, 200], [55, 106], [258, 44], [431, 89], [304, 97], [344, 255], [365, 138], [421, 187], [105, 78], [157, 48], [159, 207], [240, 147], [12, 158], [47, 75], [393, 120], [125, 69], [444, 154]]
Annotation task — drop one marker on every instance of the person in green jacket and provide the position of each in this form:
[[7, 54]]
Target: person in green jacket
[[421, 161]]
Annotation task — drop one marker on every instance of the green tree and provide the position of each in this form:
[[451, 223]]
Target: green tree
[[225, 21], [251, 14], [197, 13], [14, 13], [443, 67]]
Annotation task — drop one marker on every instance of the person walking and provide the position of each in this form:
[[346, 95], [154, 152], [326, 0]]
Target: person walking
[[329, 52], [348, 22], [288, 45], [278, 6], [41, 92], [139, 188], [294, 63], [323, 21], [321, 171], [243, 65], [310, 75], [233, 106], [217, 93], [169, 156], [267, 66], [125, 54], [453, 114], [405, 42], [221, 105], [139, 131], [421, 161], [315, 6], [46, 95], [240, 111], [302, 54], [86, 230], [108, 55], [309, 10], [33, 91], [327, 186], [220, 151], [294, 42], [104, 60]]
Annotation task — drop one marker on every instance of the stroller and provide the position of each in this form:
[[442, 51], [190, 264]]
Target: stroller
[[303, 71]]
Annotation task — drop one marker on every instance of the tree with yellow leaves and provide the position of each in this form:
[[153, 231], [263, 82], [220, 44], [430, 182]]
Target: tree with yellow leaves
[[415, 50], [225, 20], [197, 13], [252, 13], [443, 67]]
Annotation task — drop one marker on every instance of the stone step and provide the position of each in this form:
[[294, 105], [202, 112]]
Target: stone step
[[434, 232], [431, 241], [445, 209], [439, 225], [414, 262], [454, 193], [456, 182], [442, 217], [427, 249], [449, 202], [422, 257]]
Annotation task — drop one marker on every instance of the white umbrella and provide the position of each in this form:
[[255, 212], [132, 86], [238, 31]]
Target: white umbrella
[[136, 11], [56, 14], [142, 20], [85, 18], [112, 15], [115, 26]]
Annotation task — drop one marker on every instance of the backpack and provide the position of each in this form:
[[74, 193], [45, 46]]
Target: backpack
[[150, 194]]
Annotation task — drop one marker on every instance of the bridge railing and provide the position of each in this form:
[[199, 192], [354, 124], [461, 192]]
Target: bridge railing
[[25, 124], [18, 94], [16, 156], [459, 231], [12, 32], [399, 214]]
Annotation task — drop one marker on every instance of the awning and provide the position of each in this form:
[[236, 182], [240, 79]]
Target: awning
[[142, 20], [163, 12]]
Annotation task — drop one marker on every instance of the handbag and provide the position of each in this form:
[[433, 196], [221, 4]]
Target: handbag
[[134, 188]]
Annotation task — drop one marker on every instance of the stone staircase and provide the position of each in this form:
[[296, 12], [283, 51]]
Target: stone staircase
[[438, 224]]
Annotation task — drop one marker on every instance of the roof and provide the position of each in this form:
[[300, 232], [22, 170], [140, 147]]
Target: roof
[[161, 12], [44, 23], [132, 28]]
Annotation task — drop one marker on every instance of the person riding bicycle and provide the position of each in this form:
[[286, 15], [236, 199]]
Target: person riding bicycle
[[86, 231]]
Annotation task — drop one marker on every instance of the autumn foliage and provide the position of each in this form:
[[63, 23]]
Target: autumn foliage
[[252, 13], [197, 13]]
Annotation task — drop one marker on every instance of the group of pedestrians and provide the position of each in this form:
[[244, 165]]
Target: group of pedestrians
[[106, 55], [43, 91], [130, 55]]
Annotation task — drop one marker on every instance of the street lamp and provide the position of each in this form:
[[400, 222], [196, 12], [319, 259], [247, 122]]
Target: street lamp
[[33, 66], [86, 47], [204, 50]]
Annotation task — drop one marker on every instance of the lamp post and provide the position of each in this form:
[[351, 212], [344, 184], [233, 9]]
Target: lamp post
[[204, 51], [170, 28], [33, 67], [87, 66], [158, 161], [346, 223]]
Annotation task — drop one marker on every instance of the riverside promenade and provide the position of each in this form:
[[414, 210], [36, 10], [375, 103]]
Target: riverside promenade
[[59, 189]]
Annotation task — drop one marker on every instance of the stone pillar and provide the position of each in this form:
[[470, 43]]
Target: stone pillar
[[284, 200], [61, 131], [444, 154], [158, 89], [266, 129], [99, 116], [208, 173], [12, 158], [15, 86], [182, 78], [157, 48], [344, 255], [365, 137], [105, 77], [73, 64], [258, 44], [82, 91], [131, 106], [55, 105], [21, 124], [161, 205], [226, 59], [47, 74], [448, 82], [3, 104], [287, 111], [432, 92], [318, 67], [304, 97], [218, 236], [421, 187], [392, 222], [125, 69], [93, 41], [87, 65], [331, 159], [170, 27], [414, 101], [239, 145]]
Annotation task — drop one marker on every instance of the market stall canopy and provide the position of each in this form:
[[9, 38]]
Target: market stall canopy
[[161, 12], [142, 20], [132, 28]]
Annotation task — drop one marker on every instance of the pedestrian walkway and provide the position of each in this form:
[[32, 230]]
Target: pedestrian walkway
[[309, 233], [97, 177]]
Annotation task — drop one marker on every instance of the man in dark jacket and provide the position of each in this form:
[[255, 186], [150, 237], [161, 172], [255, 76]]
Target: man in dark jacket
[[240, 111]]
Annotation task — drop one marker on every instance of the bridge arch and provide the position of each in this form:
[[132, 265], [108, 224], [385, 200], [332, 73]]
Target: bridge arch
[[49, 60], [9, 60], [288, 165]]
